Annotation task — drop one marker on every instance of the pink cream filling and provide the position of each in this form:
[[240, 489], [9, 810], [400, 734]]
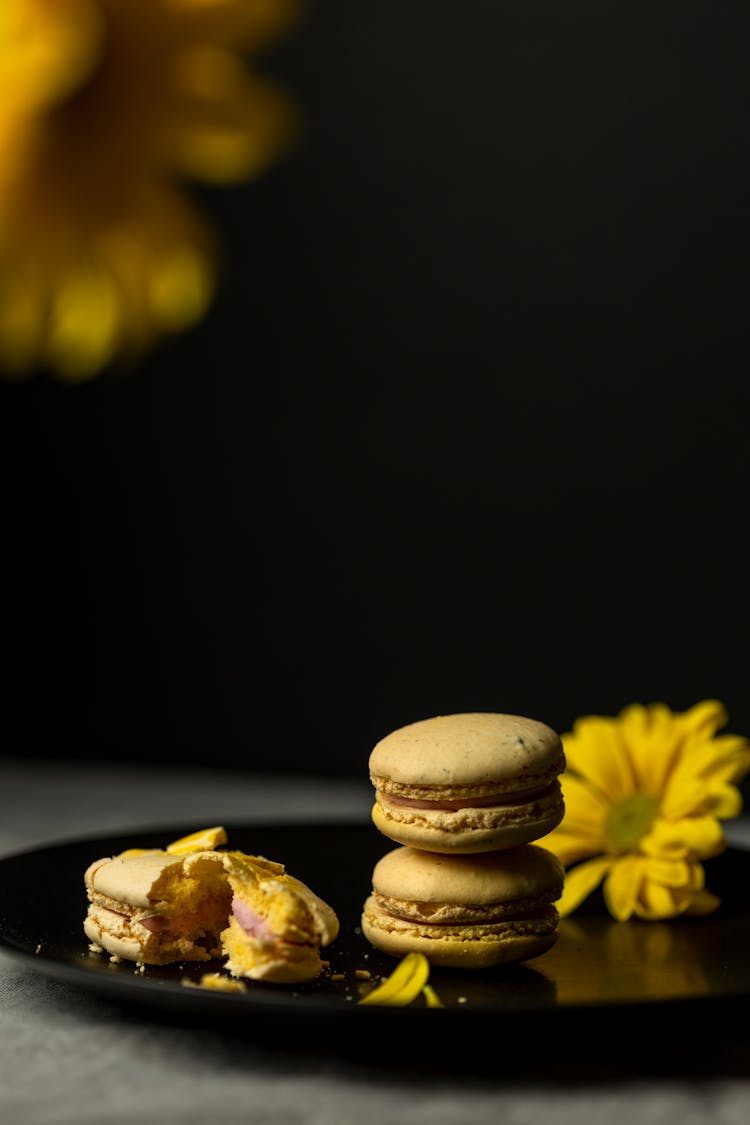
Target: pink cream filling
[[156, 923], [465, 803], [251, 922]]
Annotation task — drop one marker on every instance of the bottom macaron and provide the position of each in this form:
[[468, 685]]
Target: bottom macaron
[[465, 911]]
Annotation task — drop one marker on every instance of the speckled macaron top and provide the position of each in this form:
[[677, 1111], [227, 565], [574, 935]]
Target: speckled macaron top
[[468, 751]]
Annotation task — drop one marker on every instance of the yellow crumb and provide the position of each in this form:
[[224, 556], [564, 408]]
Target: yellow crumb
[[217, 983], [362, 974]]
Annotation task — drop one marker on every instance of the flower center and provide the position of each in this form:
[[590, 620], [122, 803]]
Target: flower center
[[628, 821]]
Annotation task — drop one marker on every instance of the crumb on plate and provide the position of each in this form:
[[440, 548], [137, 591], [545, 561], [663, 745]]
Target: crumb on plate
[[216, 982]]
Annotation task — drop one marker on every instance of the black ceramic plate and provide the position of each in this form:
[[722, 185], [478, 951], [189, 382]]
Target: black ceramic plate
[[682, 968]]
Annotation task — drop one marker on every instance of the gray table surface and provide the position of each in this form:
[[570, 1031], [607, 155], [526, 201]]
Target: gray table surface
[[67, 1056]]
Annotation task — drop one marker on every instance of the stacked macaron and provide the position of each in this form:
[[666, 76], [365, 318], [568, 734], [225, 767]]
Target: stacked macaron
[[465, 796]]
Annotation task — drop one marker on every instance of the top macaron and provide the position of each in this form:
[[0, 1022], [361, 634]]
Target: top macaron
[[468, 782]]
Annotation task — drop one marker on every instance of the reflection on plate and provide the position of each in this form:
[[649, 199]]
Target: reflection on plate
[[597, 965]]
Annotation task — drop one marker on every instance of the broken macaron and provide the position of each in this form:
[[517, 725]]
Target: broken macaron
[[158, 907]]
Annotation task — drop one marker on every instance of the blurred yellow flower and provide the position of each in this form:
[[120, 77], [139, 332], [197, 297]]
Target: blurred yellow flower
[[105, 107], [645, 794]]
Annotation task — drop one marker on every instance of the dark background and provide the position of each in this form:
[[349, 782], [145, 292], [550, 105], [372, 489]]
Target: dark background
[[466, 428]]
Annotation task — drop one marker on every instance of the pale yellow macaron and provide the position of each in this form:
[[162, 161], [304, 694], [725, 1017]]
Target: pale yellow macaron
[[157, 907], [468, 782], [465, 911]]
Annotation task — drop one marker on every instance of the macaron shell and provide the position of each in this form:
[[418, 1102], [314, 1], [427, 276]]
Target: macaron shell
[[468, 748], [471, 830], [132, 880], [282, 962], [489, 946], [127, 948], [326, 920], [244, 870], [527, 873]]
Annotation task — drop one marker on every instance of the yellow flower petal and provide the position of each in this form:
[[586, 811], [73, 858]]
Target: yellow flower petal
[[668, 872], [585, 808], [179, 288], [726, 801], [84, 325], [431, 997], [403, 985], [654, 739], [696, 798], [723, 758], [693, 837], [733, 760], [231, 125], [705, 762], [570, 847], [595, 750], [204, 840], [622, 886], [703, 902], [89, 182], [46, 50], [703, 719], [580, 881], [658, 901]]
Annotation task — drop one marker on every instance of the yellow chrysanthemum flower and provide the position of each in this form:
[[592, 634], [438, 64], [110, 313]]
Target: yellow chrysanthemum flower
[[645, 794], [105, 106]]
